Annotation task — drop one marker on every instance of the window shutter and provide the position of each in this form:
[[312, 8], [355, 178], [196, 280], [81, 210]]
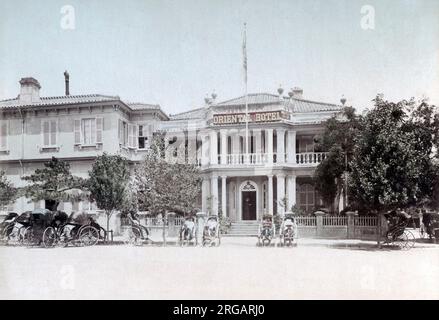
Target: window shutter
[[126, 134], [99, 129], [119, 128], [136, 136], [3, 135], [77, 129], [53, 129], [46, 133]]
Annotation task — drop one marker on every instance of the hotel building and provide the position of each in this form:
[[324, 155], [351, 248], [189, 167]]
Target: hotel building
[[274, 175]]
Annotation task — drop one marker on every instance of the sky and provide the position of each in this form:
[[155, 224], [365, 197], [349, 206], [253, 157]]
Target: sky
[[175, 52]]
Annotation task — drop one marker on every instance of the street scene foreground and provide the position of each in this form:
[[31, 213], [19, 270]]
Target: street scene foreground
[[315, 269]]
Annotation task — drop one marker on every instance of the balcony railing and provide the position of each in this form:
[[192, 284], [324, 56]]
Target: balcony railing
[[303, 159], [308, 158]]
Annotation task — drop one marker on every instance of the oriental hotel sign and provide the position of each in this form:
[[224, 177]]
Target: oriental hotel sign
[[253, 117]]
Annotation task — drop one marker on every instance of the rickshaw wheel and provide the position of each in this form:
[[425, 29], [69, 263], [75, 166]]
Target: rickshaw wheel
[[133, 236], [410, 240], [401, 241], [28, 236], [49, 237], [89, 236]]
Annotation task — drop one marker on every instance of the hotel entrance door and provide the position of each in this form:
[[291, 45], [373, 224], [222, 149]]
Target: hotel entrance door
[[248, 205]]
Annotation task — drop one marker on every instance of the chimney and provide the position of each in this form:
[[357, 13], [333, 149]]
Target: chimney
[[29, 90], [66, 79], [297, 92]]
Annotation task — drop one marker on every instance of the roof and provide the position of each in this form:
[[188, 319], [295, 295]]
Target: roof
[[253, 98], [296, 104], [60, 100], [304, 106], [77, 99], [198, 113], [143, 106]]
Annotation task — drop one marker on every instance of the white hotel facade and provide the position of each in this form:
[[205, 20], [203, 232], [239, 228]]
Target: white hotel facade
[[278, 167]]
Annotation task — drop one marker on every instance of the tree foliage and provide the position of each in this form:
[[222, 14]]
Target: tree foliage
[[338, 140], [393, 163], [8, 193], [54, 182], [108, 182], [166, 186]]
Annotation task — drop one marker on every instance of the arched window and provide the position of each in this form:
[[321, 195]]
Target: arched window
[[306, 197]]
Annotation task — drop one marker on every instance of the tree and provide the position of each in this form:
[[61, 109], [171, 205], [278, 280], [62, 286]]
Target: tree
[[8, 193], [166, 187], [393, 163], [338, 140], [54, 183], [108, 183]]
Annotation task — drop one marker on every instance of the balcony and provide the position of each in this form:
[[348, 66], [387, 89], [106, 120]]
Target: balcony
[[302, 159]]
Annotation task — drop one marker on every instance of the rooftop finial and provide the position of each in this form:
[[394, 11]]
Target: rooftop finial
[[343, 100], [280, 90]]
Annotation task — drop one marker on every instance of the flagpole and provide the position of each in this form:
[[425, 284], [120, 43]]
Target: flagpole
[[246, 93]]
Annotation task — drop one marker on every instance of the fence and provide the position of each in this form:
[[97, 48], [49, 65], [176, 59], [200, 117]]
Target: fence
[[337, 227]]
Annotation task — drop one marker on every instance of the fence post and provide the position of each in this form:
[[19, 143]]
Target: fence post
[[171, 224], [200, 226], [164, 222], [351, 225], [319, 223]]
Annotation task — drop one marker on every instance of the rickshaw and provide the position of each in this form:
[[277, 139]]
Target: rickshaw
[[397, 234], [7, 227], [34, 224], [430, 225], [211, 232], [288, 231], [188, 232], [135, 233], [76, 229], [266, 231]]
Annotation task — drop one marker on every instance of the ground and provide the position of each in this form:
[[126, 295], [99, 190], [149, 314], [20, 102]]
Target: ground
[[316, 269]]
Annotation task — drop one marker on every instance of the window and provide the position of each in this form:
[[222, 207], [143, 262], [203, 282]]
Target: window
[[3, 136], [128, 135], [306, 197], [306, 144], [143, 139], [88, 132], [49, 132]]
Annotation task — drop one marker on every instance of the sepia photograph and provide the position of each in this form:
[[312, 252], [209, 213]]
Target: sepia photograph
[[219, 150]]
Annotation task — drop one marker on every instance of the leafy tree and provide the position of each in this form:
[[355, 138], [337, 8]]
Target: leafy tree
[[108, 183], [8, 193], [393, 163], [338, 140], [54, 183], [166, 187]]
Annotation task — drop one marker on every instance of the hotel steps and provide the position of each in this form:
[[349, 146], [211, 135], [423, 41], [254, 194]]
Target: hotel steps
[[243, 229]]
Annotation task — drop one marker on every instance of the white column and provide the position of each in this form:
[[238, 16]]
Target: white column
[[214, 194], [224, 196], [269, 139], [258, 140], [280, 193], [213, 147], [223, 146], [280, 145], [270, 194], [204, 194], [204, 148], [291, 191], [291, 146]]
